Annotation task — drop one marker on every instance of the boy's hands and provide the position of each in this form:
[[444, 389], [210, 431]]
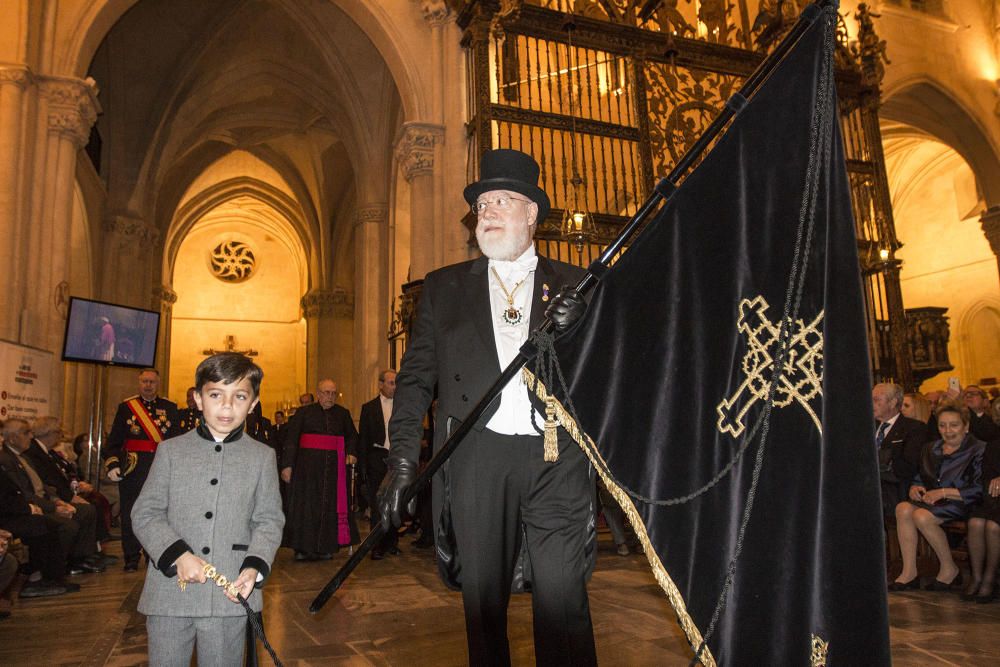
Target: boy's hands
[[190, 569], [244, 583]]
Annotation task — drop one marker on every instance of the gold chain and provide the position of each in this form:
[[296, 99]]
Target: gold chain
[[510, 294]]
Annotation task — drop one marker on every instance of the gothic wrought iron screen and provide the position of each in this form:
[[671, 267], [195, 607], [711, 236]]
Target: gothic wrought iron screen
[[615, 91]]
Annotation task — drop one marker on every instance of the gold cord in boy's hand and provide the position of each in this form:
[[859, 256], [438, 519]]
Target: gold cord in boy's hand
[[214, 575]]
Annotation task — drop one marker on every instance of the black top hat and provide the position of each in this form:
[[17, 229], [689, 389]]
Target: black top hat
[[506, 169]]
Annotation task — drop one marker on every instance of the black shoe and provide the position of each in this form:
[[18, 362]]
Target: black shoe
[[944, 586], [969, 594], [131, 565], [302, 556], [84, 567], [989, 597], [42, 588], [423, 542], [393, 551], [107, 559], [322, 556], [911, 585], [70, 587], [377, 555]]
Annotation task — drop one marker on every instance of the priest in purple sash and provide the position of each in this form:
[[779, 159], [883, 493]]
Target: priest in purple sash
[[319, 444]]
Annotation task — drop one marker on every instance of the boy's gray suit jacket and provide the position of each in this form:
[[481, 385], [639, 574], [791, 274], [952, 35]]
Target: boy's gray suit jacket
[[221, 502]]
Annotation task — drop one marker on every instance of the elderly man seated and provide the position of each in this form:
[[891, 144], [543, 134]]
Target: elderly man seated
[[76, 524]]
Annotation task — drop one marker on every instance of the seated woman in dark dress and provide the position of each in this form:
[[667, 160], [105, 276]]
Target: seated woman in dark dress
[[946, 488], [984, 532]]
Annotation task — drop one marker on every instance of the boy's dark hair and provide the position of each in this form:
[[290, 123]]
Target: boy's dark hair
[[227, 368]]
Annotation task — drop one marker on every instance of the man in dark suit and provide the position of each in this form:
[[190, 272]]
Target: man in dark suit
[[374, 448], [54, 471], [25, 521], [75, 524], [899, 441], [498, 493], [981, 424]]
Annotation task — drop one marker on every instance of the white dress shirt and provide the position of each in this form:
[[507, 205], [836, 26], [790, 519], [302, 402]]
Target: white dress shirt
[[386, 413], [513, 417]]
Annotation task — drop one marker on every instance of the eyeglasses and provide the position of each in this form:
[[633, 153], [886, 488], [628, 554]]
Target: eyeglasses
[[502, 203]]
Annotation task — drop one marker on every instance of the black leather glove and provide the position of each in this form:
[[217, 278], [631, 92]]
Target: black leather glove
[[400, 475], [566, 308]]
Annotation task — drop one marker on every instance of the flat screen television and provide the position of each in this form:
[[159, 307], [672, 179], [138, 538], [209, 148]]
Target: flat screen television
[[106, 333]]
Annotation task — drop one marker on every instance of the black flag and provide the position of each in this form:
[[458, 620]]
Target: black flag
[[720, 384]]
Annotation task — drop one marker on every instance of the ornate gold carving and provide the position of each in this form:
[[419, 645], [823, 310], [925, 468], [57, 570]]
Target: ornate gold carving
[[72, 107], [817, 657], [232, 261], [801, 381], [870, 50], [415, 148], [683, 101], [337, 302]]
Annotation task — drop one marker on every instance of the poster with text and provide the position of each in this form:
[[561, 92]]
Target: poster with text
[[25, 387]]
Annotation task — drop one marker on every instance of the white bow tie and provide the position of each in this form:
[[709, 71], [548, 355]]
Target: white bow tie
[[519, 267]]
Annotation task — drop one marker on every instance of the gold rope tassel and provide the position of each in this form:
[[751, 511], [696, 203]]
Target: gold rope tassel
[[551, 438]]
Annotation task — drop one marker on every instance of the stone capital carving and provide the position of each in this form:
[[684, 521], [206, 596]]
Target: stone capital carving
[[990, 220], [15, 75], [72, 107], [415, 148], [164, 296], [337, 303], [132, 229], [377, 214], [435, 12]]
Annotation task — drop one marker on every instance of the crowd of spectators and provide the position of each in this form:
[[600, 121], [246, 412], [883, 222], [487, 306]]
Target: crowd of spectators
[[939, 464], [58, 520]]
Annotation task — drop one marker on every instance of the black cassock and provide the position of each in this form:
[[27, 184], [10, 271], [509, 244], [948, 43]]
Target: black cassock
[[316, 444]]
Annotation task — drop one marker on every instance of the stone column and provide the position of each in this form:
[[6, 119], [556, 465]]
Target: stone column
[[71, 108], [990, 220], [164, 299], [415, 153], [13, 81], [371, 315], [329, 317], [67, 108]]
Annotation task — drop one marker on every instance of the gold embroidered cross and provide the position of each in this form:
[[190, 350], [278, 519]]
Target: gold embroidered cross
[[802, 377]]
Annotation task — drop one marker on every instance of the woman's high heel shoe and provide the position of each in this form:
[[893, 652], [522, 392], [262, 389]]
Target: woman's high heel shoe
[[911, 585]]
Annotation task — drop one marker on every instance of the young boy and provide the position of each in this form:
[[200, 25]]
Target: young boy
[[211, 497]]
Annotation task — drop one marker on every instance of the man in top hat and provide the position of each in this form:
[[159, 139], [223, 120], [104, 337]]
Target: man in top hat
[[497, 499]]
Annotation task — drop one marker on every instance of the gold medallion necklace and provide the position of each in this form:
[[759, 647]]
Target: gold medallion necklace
[[512, 315]]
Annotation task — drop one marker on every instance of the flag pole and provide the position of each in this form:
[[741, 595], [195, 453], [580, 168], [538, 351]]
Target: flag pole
[[661, 192]]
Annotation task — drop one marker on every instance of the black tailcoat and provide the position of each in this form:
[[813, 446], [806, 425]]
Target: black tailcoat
[[452, 348]]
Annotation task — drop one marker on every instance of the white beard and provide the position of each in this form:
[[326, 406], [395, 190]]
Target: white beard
[[504, 245]]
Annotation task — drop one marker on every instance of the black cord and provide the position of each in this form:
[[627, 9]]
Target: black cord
[[258, 629]]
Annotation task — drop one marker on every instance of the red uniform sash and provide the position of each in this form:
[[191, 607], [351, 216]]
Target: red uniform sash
[[333, 443], [144, 419], [140, 446]]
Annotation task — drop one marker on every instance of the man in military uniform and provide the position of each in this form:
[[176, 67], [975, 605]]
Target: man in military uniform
[[190, 416], [320, 441], [141, 423]]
